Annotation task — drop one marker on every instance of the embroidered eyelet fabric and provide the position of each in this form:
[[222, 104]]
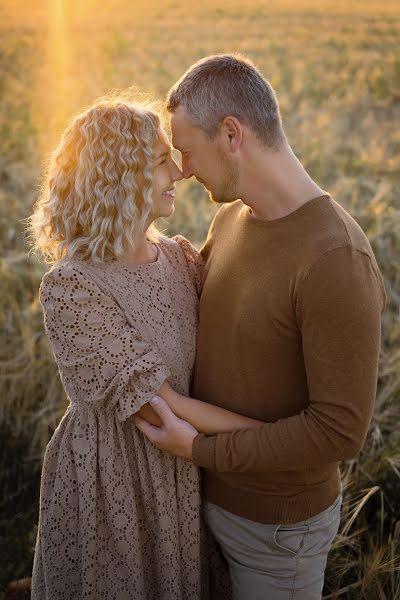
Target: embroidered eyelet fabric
[[120, 519]]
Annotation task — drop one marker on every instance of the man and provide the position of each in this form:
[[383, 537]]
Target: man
[[289, 333]]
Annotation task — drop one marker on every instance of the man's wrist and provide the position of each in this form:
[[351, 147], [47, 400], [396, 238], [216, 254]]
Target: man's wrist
[[204, 451]]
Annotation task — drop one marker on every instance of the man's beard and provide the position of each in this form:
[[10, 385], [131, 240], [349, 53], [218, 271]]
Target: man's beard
[[228, 189]]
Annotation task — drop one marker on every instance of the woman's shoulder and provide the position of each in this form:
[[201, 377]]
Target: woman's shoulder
[[178, 242], [180, 247], [72, 281], [192, 259], [64, 269], [170, 246], [174, 241], [66, 275], [182, 241], [167, 242], [189, 250]]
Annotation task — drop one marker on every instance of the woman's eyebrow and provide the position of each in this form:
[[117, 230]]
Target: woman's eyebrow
[[163, 154]]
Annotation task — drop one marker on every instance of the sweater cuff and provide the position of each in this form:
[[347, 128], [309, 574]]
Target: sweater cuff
[[203, 451]]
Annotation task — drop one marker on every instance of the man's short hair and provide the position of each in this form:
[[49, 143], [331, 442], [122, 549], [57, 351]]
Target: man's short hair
[[228, 85]]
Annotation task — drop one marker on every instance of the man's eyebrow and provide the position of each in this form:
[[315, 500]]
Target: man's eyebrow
[[177, 146]]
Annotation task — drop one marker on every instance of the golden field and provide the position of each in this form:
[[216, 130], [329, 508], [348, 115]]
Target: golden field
[[336, 69]]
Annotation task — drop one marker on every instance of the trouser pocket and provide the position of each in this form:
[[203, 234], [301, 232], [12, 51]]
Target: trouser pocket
[[291, 538]]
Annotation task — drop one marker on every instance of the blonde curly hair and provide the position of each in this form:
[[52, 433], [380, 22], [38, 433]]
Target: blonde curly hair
[[96, 196]]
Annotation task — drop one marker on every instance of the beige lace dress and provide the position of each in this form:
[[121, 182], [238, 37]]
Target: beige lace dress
[[120, 519]]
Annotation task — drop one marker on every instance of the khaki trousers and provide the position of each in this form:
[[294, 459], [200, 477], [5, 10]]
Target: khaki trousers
[[275, 562]]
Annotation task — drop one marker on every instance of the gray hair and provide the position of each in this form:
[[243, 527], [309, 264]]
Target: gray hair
[[228, 85]]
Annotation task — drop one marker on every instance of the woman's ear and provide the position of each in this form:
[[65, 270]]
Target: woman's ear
[[232, 134]]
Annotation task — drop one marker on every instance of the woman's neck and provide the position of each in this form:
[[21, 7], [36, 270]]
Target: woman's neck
[[144, 252]]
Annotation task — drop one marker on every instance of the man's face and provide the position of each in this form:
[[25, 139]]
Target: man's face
[[204, 159]]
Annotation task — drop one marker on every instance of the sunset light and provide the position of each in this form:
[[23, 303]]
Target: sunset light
[[271, 338]]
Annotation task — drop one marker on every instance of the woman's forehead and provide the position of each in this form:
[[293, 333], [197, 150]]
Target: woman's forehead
[[163, 142]]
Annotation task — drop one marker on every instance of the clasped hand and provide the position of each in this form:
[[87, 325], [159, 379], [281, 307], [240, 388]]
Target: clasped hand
[[175, 435]]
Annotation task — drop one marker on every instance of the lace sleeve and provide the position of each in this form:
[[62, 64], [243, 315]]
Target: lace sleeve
[[102, 359]]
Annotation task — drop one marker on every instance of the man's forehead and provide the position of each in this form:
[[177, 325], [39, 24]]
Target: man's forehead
[[181, 127]]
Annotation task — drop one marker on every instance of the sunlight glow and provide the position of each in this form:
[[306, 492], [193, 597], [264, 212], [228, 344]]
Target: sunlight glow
[[56, 83]]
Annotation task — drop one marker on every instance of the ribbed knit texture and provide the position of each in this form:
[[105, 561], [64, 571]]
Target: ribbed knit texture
[[289, 333]]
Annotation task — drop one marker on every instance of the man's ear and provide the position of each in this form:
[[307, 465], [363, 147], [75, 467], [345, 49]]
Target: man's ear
[[232, 134]]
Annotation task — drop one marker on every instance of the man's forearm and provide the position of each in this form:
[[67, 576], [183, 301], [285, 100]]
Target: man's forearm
[[301, 441]]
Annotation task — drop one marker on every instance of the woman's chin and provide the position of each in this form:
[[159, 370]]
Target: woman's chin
[[166, 212]]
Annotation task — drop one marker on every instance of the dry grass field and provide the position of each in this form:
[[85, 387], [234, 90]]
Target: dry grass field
[[336, 69]]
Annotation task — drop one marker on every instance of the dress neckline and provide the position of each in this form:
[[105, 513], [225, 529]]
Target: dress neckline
[[136, 266]]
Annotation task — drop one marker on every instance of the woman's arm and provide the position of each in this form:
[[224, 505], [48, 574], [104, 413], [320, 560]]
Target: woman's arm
[[206, 418]]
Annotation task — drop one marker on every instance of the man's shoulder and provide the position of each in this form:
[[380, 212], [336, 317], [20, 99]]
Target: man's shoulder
[[336, 241], [348, 227], [332, 227], [228, 211]]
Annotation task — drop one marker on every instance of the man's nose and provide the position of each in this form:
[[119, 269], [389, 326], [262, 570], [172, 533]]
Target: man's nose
[[177, 174], [186, 170]]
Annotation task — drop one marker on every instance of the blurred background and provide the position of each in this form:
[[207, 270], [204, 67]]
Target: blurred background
[[335, 66]]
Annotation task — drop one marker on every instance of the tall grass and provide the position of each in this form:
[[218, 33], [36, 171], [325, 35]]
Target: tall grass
[[336, 68]]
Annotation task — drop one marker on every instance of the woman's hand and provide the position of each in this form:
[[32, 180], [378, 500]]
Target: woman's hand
[[175, 435]]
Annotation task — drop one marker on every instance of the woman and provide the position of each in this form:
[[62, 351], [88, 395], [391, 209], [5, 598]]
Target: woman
[[119, 519]]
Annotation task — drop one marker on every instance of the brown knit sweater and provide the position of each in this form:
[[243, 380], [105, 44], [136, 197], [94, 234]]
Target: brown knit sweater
[[289, 333]]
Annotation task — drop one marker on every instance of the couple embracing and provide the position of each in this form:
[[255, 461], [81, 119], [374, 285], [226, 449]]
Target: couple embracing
[[212, 394]]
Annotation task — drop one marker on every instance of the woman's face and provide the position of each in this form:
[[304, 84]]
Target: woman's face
[[166, 173]]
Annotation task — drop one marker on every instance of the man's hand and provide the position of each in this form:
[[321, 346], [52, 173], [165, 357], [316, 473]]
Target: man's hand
[[175, 435]]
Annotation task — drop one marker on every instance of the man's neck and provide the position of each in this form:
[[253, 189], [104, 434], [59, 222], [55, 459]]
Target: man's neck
[[277, 184]]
